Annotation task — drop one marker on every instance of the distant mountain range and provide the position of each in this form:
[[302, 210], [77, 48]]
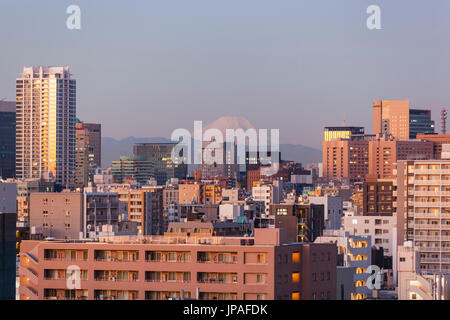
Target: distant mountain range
[[112, 149]]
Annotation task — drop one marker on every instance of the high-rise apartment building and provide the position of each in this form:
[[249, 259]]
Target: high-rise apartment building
[[45, 124], [88, 152], [423, 210], [7, 139]]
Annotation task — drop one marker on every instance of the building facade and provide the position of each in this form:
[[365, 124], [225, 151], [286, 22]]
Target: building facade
[[178, 266], [7, 139], [160, 155], [423, 210], [45, 124], [88, 152]]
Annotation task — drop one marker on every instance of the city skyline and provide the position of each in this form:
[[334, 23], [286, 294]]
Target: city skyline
[[224, 150], [275, 77]]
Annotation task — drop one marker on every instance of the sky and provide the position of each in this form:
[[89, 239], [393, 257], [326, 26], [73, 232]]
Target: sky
[[147, 67]]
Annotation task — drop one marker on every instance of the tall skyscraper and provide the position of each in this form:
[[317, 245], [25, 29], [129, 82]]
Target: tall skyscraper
[[394, 117], [391, 117], [88, 152], [7, 139], [45, 129]]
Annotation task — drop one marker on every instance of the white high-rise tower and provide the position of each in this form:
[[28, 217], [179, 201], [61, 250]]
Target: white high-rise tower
[[45, 124]]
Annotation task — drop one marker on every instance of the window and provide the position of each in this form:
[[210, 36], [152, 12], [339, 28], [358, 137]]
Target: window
[[261, 258], [295, 295], [402, 259], [295, 257], [282, 212], [295, 277]]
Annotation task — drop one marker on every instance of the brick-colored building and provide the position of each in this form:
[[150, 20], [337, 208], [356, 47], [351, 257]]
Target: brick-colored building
[[378, 197], [354, 159], [166, 267], [438, 140], [345, 159], [383, 154]]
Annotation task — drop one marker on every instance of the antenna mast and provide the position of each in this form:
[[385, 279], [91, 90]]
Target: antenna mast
[[444, 121]]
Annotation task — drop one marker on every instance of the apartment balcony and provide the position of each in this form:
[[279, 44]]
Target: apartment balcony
[[431, 238], [431, 171], [435, 260], [29, 292], [425, 226], [427, 182], [431, 204], [420, 292], [65, 298], [434, 249], [431, 193], [29, 273]]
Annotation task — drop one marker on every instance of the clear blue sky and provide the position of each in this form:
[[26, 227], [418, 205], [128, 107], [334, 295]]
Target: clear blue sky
[[145, 68]]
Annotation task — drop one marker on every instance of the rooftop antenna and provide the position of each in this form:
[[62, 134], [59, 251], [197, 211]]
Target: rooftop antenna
[[444, 121], [344, 120]]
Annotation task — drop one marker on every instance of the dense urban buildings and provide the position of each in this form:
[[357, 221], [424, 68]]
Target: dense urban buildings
[[45, 124], [147, 228], [395, 118], [7, 139], [160, 155]]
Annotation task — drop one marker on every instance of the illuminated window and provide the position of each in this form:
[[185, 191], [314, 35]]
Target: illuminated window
[[295, 277], [295, 295], [295, 257]]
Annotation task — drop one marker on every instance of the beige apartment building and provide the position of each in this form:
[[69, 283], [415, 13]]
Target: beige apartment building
[[57, 214], [178, 266], [189, 193], [423, 210]]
